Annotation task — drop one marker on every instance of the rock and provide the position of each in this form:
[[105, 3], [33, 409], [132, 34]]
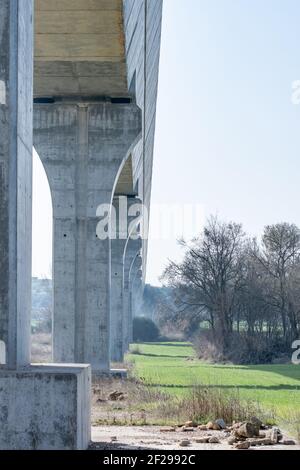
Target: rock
[[202, 427], [184, 443], [116, 396], [247, 430], [262, 434], [190, 424], [210, 425], [288, 442], [260, 442], [186, 429], [213, 440], [202, 440], [242, 445], [231, 440], [236, 425], [221, 423], [216, 427], [167, 429], [257, 422], [275, 435]]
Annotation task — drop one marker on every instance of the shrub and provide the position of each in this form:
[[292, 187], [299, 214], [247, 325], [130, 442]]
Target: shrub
[[206, 403], [290, 419], [144, 329], [135, 349], [243, 348]]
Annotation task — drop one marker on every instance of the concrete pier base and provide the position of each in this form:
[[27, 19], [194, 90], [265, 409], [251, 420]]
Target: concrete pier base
[[45, 407]]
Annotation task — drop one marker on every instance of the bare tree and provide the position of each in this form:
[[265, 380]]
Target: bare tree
[[210, 276], [280, 258]]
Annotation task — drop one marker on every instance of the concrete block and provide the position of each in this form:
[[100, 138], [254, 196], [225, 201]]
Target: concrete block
[[45, 407]]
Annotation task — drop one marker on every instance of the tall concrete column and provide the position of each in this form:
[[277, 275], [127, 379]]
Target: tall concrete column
[[135, 287], [117, 270], [137, 291], [82, 147], [16, 70], [132, 251], [27, 391]]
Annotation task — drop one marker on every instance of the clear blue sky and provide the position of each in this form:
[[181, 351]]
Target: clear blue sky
[[227, 133]]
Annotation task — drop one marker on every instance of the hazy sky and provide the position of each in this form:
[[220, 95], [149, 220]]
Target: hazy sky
[[227, 133]]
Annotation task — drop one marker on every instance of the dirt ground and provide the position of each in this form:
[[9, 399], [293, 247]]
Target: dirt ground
[[150, 437]]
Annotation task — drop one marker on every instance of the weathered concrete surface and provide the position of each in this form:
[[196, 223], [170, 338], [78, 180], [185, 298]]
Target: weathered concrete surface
[[82, 149], [45, 407], [16, 53]]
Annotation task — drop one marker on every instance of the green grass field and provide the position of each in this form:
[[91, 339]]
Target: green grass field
[[174, 368]]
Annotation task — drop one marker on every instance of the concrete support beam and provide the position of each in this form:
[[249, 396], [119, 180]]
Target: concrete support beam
[[16, 56], [116, 310], [135, 289], [82, 148], [45, 407], [118, 245], [132, 251]]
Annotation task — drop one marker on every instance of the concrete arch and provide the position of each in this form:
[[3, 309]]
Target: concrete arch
[[124, 185], [44, 208], [84, 148]]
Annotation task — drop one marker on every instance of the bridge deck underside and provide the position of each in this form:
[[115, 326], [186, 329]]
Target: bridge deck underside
[[79, 48]]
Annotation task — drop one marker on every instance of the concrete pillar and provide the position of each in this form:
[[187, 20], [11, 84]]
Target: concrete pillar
[[41, 407], [117, 270], [82, 147], [137, 295], [136, 300], [16, 58], [132, 250], [135, 288]]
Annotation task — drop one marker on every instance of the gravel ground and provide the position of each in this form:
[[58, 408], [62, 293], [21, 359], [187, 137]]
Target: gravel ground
[[150, 437]]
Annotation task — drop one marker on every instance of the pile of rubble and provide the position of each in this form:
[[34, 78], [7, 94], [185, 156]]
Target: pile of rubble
[[116, 396], [242, 435]]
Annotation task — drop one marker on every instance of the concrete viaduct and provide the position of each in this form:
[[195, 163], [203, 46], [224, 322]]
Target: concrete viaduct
[[78, 81]]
